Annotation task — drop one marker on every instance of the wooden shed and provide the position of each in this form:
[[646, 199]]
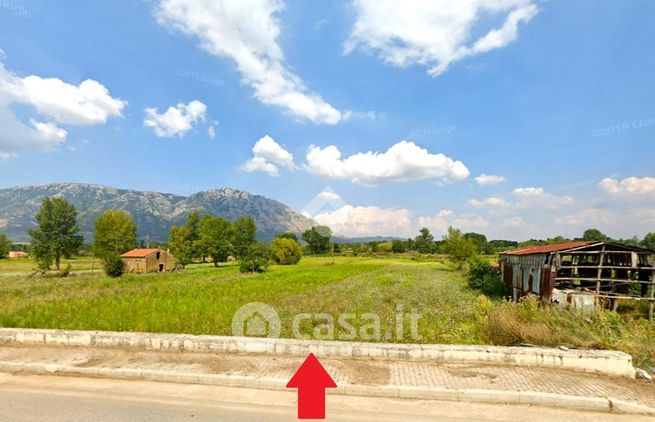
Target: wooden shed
[[604, 272], [148, 261]]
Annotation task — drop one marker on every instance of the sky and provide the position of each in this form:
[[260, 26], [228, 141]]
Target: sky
[[514, 118]]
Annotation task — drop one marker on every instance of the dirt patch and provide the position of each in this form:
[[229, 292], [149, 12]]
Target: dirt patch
[[366, 373]]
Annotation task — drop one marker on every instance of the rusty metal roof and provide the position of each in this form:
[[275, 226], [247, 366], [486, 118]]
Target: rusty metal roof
[[139, 253], [542, 249]]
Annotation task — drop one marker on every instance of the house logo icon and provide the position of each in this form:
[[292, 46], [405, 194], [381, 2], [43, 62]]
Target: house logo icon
[[256, 319]]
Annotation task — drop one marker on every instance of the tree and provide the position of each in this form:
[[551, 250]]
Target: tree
[[649, 241], [397, 246], [318, 239], [457, 247], [115, 234], [480, 241], [184, 242], [385, 247], [216, 238], [257, 258], [180, 245], [56, 236], [424, 242], [287, 235], [285, 251], [594, 234], [114, 266], [5, 246], [192, 226], [245, 230]]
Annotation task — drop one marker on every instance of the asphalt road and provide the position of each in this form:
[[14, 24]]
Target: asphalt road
[[55, 398]]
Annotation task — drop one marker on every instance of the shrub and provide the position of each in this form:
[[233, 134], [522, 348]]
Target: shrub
[[285, 251], [256, 258], [114, 266], [484, 277], [66, 271]]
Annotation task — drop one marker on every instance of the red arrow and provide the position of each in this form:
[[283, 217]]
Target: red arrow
[[311, 380]]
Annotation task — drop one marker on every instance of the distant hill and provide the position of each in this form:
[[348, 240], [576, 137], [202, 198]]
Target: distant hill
[[153, 212]]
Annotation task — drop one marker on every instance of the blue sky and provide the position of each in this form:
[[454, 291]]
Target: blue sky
[[552, 98]]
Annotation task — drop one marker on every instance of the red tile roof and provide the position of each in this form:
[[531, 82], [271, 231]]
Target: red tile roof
[[548, 248], [139, 253]]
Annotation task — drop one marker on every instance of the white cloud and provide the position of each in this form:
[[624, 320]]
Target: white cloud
[[515, 223], [177, 120], [6, 155], [88, 103], [489, 179], [492, 201], [404, 161], [443, 219], [329, 196], [247, 32], [260, 164], [367, 221], [628, 186], [267, 156], [444, 213], [49, 131], [587, 217], [435, 33], [538, 197], [211, 132]]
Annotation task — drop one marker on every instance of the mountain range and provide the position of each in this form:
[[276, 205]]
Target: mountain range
[[154, 213]]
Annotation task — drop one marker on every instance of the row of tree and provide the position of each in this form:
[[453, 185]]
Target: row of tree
[[202, 237], [216, 238]]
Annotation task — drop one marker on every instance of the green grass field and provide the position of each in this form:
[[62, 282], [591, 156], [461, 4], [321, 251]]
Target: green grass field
[[203, 299]]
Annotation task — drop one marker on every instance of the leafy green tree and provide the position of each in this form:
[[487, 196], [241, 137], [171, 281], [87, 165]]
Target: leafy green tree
[[5, 246], [56, 236], [410, 245], [192, 226], [633, 241], [180, 245], [457, 247], [649, 241], [385, 247], [114, 266], [286, 251], [480, 241], [115, 234], [318, 239], [287, 235], [256, 259], [424, 242], [245, 231], [594, 234], [483, 276], [398, 246], [216, 238]]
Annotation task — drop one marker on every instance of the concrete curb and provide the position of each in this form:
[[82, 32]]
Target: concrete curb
[[605, 362], [596, 404]]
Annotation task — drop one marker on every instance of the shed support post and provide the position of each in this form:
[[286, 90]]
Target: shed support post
[[651, 302], [599, 275]]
